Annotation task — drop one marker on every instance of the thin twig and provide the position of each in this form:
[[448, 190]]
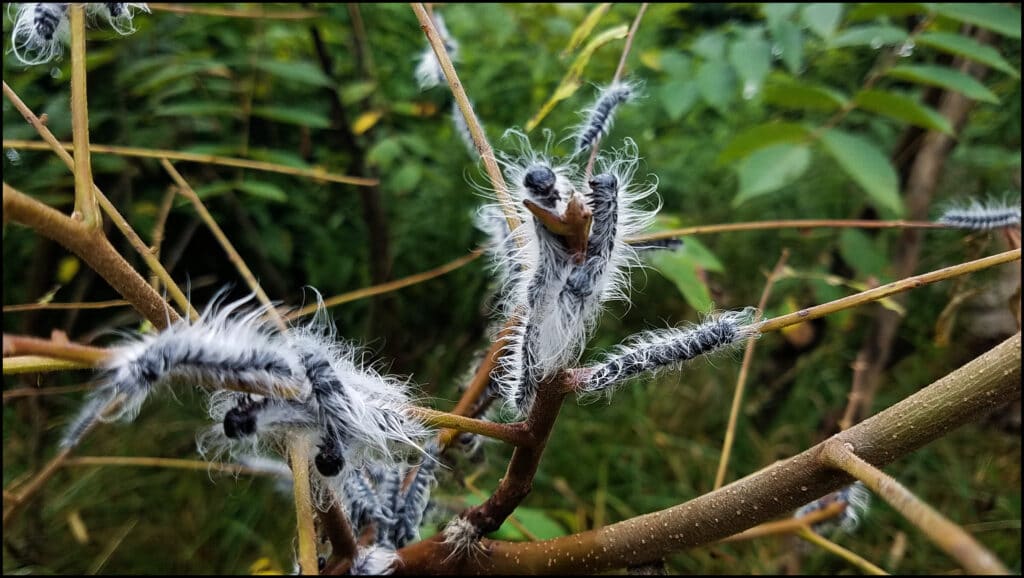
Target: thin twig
[[387, 287], [218, 233], [953, 539], [830, 546], [788, 525], [173, 463], [119, 221], [318, 174], [85, 203], [748, 357], [479, 138], [787, 224], [513, 433], [618, 76], [298, 449], [257, 13], [157, 237], [38, 391], [52, 306], [877, 293]]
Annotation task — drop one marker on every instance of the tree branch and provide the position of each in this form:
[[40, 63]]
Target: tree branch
[[989, 381]]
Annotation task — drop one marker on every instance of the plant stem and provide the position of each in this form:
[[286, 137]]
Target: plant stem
[[748, 357], [318, 174], [513, 433], [788, 224], [93, 248], [218, 233], [108, 207], [387, 287], [886, 290], [825, 544], [619, 70], [479, 138], [298, 450], [987, 382], [953, 539], [85, 203]]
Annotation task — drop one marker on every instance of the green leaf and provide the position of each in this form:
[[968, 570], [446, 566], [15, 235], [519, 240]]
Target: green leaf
[[586, 26], [873, 36], [699, 254], [717, 84], [211, 190], [710, 45], [761, 136], [752, 59], [947, 78], [802, 96], [822, 18], [872, 11], [902, 108], [199, 109], [867, 166], [294, 71], [384, 153], [862, 253], [770, 169], [299, 116], [678, 97], [263, 190], [996, 17], [776, 12], [968, 48], [406, 178], [681, 270], [789, 41], [354, 92]]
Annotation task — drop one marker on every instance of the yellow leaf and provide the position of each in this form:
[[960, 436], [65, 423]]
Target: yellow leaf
[[586, 27], [366, 121], [572, 80], [651, 59], [67, 268], [78, 529], [264, 567]]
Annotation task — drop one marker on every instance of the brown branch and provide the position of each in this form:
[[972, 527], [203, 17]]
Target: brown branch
[[339, 532], [741, 380], [157, 237], [953, 539], [298, 450], [26, 345], [518, 480], [93, 248], [989, 381], [173, 463], [40, 391], [119, 221]]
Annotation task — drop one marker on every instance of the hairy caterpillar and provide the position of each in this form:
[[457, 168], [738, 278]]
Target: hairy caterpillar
[[857, 499], [654, 350], [979, 216], [218, 350], [600, 116], [40, 28]]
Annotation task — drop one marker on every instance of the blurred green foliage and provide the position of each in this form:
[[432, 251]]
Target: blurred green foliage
[[750, 112]]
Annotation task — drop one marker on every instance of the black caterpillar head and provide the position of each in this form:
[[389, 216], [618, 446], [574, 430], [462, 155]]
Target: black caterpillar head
[[540, 181]]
